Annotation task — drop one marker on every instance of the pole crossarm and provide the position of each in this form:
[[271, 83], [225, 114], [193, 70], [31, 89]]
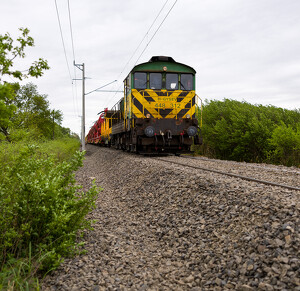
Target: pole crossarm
[[79, 66], [109, 91]]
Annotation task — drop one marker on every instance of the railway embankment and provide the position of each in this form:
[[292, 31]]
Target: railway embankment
[[161, 226]]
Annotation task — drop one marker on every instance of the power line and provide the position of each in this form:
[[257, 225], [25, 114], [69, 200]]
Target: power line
[[73, 50], [75, 102], [148, 41], [155, 32], [62, 39], [146, 34], [71, 32], [143, 38]]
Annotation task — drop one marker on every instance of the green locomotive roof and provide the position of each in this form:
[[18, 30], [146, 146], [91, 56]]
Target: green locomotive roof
[[157, 64]]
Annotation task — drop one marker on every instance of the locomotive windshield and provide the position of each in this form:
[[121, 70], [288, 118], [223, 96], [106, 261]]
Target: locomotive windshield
[[186, 82], [171, 81], [158, 81], [140, 80], [155, 81]]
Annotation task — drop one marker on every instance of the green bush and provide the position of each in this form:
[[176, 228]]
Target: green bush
[[285, 143], [41, 206], [62, 149], [244, 132]]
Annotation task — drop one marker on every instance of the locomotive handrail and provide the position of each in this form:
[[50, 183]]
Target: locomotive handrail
[[201, 108]]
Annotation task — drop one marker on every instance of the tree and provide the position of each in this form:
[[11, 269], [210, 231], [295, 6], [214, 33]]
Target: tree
[[253, 133], [7, 109], [8, 53], [34, 113]]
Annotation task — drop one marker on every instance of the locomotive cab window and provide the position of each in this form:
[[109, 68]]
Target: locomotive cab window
[[140, 80], [186, 82], [171, 81], [155, 81]]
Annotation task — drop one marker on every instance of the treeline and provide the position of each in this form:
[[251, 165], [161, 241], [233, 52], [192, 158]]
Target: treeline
[[241, 131], [23, 111], [42, 208], [31, 116]]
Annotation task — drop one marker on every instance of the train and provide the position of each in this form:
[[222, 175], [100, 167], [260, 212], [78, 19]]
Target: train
[[157, 114]]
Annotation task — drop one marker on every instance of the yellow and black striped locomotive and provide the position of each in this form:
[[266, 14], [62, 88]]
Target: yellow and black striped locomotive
[[158, 111]]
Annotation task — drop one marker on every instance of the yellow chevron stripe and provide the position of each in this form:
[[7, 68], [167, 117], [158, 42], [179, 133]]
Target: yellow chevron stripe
[[176, 93], [162, 102], [137, 112], [151, 93], [190, 112], [188, 98], [145, 104]]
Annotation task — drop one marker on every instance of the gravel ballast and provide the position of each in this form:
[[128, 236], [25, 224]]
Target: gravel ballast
[[166, 227]]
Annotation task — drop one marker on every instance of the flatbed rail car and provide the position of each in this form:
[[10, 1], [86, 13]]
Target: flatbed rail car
[[94, 135], [158, 111]]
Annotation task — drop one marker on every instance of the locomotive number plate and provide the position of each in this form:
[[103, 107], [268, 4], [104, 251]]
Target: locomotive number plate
[[164, 105]]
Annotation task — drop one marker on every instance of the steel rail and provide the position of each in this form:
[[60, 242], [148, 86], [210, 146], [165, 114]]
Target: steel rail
[[248, 164], [233, 175]]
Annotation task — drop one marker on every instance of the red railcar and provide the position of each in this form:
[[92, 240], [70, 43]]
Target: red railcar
[[94, 135]]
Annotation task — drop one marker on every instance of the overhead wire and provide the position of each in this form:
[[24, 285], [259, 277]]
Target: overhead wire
[[73, 51], [146, 34], [62, 39], [71, 30], [75, 101], [156, 32], [143, 38]]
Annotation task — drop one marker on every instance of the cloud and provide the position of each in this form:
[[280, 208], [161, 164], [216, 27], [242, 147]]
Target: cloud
[[245, 50]]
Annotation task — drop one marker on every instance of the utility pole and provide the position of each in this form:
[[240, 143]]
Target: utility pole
[[81, 67], [53, 123]]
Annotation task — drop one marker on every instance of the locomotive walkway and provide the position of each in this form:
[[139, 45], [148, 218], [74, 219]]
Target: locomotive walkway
[[161, 226]]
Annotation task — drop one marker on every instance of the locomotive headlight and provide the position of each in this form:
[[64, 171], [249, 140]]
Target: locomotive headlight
[[191, 131], [148, 115], [149, 131], [188, 116]]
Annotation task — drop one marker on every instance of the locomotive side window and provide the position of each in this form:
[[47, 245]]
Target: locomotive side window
[[155, 81], [140, 80], [171, 81], [186, 82]]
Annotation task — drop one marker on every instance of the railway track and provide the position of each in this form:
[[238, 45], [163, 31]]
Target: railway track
[[158, 224], [179, 161], [249, 165]]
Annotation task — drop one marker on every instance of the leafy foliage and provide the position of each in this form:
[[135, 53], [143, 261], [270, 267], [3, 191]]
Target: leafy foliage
[[7, 108], [253, 133], [33, 113], [41, 206], [8, 53], [42, 209], [285, 144]]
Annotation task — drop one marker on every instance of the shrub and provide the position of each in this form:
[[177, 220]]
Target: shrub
[[41, 207], [285, 143], [244, 132], [62, 149]]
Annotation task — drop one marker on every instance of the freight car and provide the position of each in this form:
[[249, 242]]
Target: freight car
[[158, 111]]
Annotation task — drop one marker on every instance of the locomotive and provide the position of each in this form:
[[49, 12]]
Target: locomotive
[[157, 113]]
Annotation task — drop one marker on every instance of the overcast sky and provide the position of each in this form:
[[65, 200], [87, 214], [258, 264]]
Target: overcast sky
[[243, 50]]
